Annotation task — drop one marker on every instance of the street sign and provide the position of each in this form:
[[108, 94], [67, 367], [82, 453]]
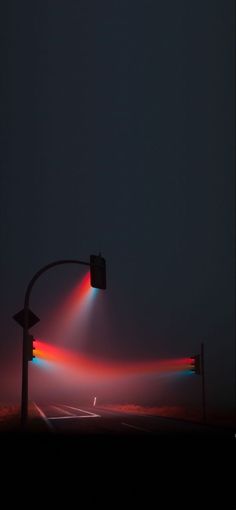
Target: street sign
[[20, 318]]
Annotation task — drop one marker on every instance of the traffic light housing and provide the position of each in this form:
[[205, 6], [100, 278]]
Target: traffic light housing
[[31, 347], [97, 272], [196, 364]]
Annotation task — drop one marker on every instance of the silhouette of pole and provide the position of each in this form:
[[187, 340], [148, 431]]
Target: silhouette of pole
[[203, 384], [24, 393]]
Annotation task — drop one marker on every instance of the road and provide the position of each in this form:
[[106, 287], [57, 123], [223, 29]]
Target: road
[[74, 419]]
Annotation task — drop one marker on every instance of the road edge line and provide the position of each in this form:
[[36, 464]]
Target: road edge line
[[43, 416]]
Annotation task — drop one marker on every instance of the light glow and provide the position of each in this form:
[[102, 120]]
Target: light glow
[[87, 366], [72, 317]]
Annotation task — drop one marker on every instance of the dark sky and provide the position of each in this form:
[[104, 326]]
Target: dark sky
[[117, 134]]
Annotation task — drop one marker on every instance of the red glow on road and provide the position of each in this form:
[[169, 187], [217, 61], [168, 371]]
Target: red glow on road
[[92, 367]]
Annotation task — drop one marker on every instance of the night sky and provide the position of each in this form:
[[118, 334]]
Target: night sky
[[117, 135]]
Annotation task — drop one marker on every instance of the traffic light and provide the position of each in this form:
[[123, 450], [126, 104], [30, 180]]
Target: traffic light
[[97, 272], [196, 364], [31, 347]]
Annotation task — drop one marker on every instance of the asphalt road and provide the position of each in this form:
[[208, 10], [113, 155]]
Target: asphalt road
[[74, 419]]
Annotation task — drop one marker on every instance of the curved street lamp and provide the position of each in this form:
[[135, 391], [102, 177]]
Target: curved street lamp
[[27, 319]]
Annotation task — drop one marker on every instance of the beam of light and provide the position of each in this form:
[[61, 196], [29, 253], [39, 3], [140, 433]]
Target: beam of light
[[80, 295], [186, 372], [73, 315], [43, 363], [87, 366], [178, 373]]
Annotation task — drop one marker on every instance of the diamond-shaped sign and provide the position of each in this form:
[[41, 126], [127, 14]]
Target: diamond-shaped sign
[[20, 318]]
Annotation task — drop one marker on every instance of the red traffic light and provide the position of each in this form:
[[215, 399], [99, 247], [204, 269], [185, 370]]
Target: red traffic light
[[97, 272], [196, 364], [31, 347]]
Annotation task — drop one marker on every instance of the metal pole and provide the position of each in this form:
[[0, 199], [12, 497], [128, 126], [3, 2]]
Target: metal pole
[[203, 384], [24, 393]]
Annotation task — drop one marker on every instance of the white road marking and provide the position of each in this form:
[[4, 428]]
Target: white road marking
[[72, 417], [83, 411], [43, 416], [62, 410], [69, 416], [134, 427]]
